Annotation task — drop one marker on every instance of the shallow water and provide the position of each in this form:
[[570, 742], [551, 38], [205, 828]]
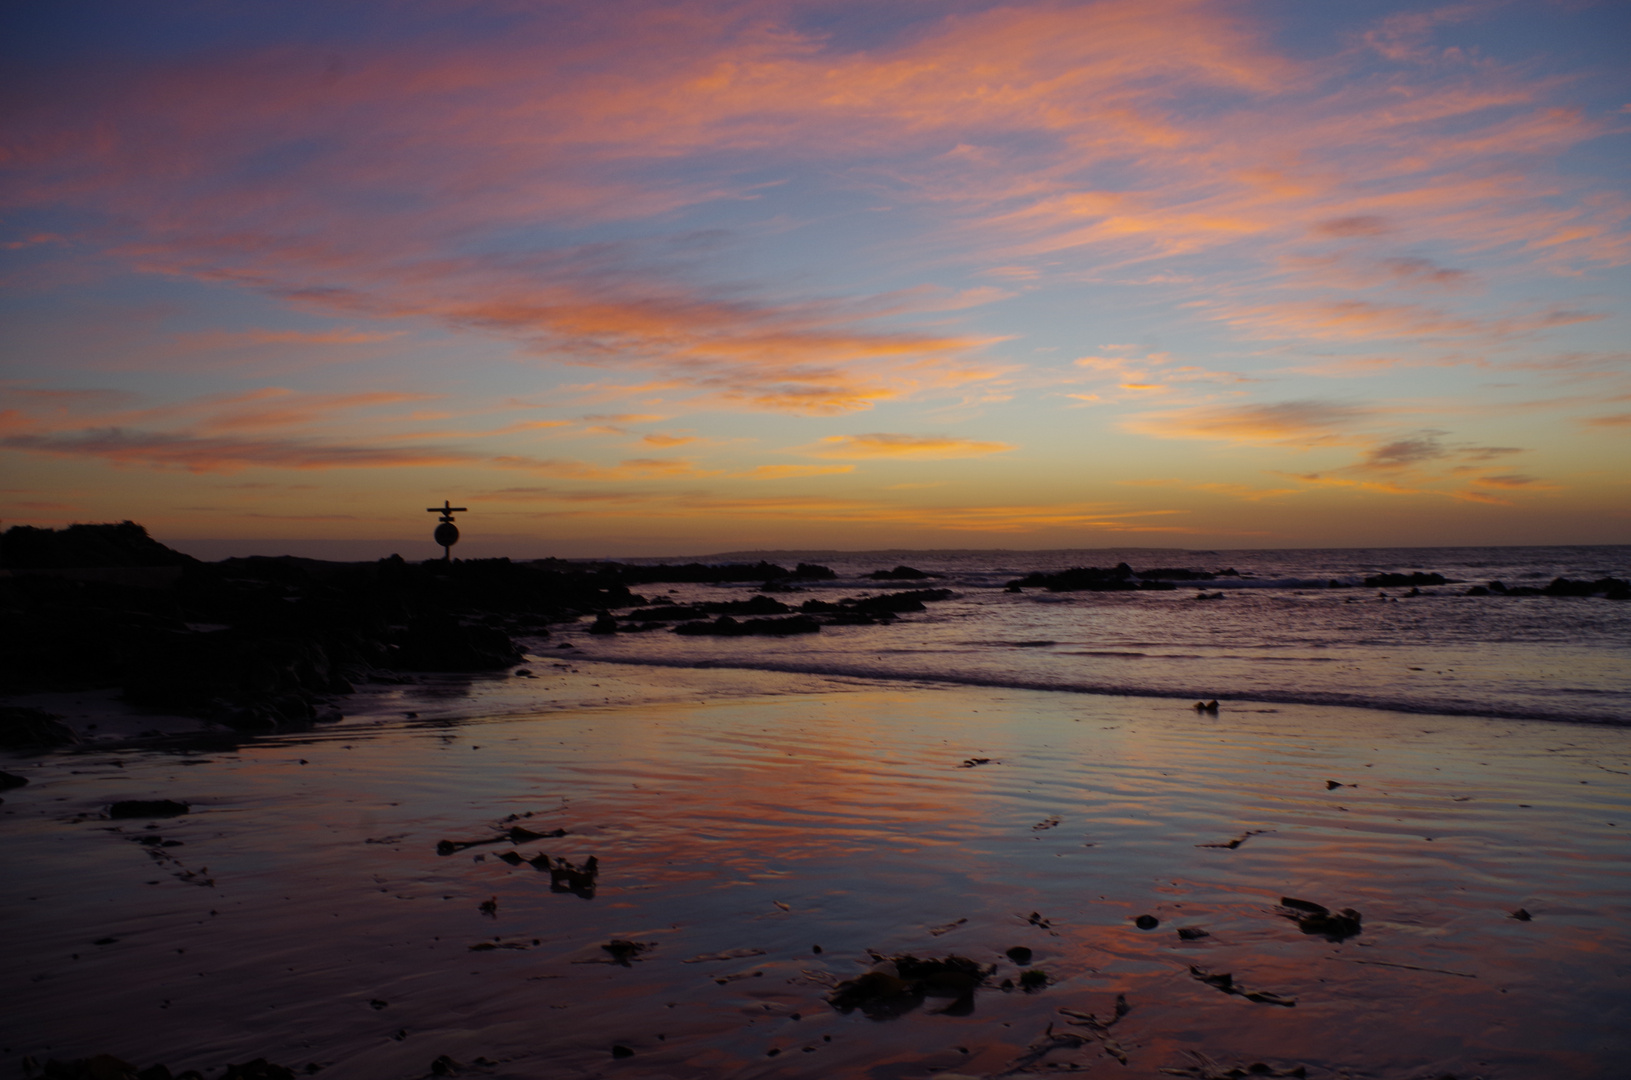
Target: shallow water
[[838, 818], [1278, 635]]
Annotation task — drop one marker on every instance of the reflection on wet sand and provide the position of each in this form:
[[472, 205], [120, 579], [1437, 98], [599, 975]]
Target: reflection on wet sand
[[813, 885]]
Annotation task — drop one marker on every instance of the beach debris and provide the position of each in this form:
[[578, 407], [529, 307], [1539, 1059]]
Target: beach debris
[[784, 906], [147, 808], [897, 984], [1407, 967], [1047, 824], [1237, 841], [515, 834], [946, 928], [723, 980], [728, 954], [1019, 954], [1041, 924], [1226, 982], [1086, 1029], [1207, 706], [708, 958], [565, 877], [1191, 933], [489, 907], [520, 835], [1312, 918], [1521, 915], [1040, 1048], [1033, 979], [969, 763], [622, 951], [1207, 1069], [1146, 922], [500, 943]]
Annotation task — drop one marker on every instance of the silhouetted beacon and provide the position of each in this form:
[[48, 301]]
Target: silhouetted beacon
[[447, 533]]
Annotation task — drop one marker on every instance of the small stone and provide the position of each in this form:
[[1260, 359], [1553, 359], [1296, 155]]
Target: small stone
[[1146, 922]]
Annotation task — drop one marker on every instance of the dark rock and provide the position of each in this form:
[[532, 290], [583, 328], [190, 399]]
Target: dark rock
[[441, 643], [1191, 933], [1146, 922], [1033, 980], [900, 573], [489, 906], [621, 1051], [91, 545], [604, 625], [27, 729], [147, 808], [377, 1003], [444, 1066], [1091, 579], [9, 781], [1397, 581], [1521, 915], [1020, 955]]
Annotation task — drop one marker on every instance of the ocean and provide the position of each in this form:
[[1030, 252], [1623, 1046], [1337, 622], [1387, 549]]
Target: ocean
[[1279, 633]]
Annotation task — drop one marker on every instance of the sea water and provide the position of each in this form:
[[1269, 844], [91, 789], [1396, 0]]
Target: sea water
[[1280, 633]]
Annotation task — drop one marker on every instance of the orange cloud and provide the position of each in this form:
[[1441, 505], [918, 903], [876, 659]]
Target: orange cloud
[[787, 472], [922, 447], [1295, 423]]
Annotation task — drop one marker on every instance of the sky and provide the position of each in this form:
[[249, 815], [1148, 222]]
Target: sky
[[663, 278]]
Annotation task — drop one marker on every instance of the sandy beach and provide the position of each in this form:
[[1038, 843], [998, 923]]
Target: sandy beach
[[761, 838]]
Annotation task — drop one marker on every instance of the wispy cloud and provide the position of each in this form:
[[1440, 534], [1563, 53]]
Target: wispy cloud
[[1288, 423], [922, 447]]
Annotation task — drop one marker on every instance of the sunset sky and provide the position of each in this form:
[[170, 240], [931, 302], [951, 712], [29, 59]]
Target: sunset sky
[[672, 278]]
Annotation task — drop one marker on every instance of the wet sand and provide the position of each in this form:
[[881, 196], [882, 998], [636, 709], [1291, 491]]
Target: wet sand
[[306, 916]]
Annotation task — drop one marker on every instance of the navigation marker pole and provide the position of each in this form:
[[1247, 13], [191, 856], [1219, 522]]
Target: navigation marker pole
[[447, 533]]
